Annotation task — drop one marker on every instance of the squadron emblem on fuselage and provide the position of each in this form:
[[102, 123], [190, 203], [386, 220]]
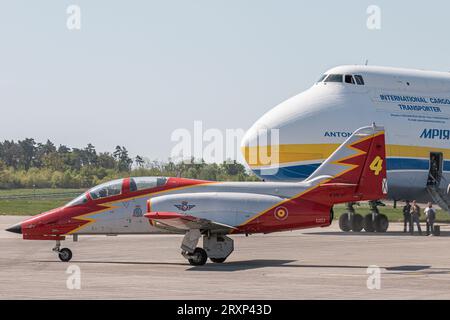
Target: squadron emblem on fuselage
[[184, 206]]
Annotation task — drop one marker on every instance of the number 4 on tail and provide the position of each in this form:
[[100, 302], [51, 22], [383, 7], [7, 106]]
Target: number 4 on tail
[[377, 165]]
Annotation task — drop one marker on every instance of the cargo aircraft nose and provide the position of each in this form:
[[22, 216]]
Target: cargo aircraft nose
[[17, 228]]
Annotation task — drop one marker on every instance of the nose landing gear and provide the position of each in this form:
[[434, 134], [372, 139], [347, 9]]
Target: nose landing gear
[[64, 254]]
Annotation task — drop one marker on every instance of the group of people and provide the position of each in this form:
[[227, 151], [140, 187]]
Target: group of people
[[411, 215]]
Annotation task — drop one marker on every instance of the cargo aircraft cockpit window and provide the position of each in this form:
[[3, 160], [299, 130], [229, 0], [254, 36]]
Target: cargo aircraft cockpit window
[[141, 183], [334, 78], [321, 78], [349, 79], [359, 80], [108, 189]]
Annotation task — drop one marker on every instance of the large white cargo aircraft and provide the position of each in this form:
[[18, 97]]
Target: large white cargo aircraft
[[413, 106]]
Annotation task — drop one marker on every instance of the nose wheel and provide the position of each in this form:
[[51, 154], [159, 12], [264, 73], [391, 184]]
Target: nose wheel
[[64, 254]]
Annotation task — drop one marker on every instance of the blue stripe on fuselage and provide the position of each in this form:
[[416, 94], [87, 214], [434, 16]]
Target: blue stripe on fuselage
[[301, 172]]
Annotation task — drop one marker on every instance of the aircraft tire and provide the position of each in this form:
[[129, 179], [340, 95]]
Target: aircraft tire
[[381, 223], [65, 254], [218, 260], [357, 222], [199, 257], [368, 223], [345, 223]]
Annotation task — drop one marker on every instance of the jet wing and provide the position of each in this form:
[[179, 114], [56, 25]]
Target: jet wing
[[182, 222]]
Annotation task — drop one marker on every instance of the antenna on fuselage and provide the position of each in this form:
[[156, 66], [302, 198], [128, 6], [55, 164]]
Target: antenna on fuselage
[[374, 126], [367, 62]]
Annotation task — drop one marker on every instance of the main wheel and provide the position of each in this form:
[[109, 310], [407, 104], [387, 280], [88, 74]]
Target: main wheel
[[218, 260], [381, 223], [345, 223], [368, 223], [199, 257], [357, 222], [65, 254]]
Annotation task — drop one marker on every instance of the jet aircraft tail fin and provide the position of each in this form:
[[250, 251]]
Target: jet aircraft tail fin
[[356, 171]]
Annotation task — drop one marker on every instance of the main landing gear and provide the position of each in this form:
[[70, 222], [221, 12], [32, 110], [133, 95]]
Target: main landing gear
[[371, 222], [64, 254], [351, 220], [216, 247]]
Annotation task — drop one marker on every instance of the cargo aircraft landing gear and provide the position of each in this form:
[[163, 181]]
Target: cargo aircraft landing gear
[[216, 247], [64, 254], [374, 221], [351, 221]]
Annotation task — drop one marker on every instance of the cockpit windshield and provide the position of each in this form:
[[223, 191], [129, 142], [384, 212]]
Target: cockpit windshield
[[322, 77], [77, 201], [334, 78], [141, 183], [348, 78], [108, 189]]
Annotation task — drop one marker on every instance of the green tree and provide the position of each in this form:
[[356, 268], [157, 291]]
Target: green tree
[[233, 168], [28, 152], [139, 161], [90, 155], [106, 160]]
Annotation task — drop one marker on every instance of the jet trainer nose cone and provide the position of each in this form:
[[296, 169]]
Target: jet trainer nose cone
[[17, 228]]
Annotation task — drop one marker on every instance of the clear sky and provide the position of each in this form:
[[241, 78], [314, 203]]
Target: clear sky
[[138, 70]]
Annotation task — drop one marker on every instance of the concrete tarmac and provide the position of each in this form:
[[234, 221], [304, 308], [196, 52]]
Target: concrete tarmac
[[308, 264]]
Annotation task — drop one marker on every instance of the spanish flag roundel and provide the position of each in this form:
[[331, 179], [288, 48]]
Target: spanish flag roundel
[[281, 213]]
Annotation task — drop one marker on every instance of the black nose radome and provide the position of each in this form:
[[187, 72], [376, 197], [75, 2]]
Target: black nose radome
[[17, 228]]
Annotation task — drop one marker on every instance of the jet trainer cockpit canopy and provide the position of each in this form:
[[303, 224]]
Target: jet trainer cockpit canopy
[[107, 189], [77, 201], [142, 183], [115, 187], [103, 190]]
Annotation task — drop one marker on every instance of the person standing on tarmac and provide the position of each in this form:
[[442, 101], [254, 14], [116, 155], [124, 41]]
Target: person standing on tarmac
[[431, 217], [407, 216], [415, 217]]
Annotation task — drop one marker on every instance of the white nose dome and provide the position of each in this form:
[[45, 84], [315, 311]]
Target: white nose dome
[[291, 129]]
